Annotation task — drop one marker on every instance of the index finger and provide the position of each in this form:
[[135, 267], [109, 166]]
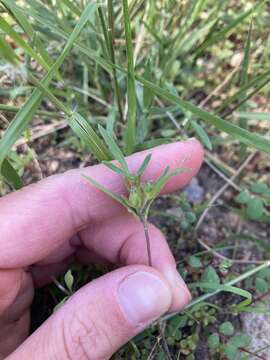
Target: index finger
[[38, 219]]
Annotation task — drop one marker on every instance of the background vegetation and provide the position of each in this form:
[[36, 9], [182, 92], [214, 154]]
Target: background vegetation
[[152, 72]]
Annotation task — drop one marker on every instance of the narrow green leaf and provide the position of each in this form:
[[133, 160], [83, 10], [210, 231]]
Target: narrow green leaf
[[113, 167], [19, 16], [243, 81], [158, 185], [242, 135], [263, 116], [47, 92], [232, 282], [24, 116], [226, 288], [202, 134], [114, 148], [11, 175], [72, 6], [220, 35], [104, 190], [4, 26], [131, 92], [144, 165], [86, 133], [245, 62], [7, 52], [257, 82], [108, 32]]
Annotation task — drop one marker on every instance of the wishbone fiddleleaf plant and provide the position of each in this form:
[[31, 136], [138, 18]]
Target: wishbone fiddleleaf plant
[[140, 194]]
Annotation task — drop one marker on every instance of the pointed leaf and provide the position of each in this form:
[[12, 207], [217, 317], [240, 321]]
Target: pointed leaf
[[144, 165], [202, 134], [86, 133], [69, 280], [11, 175], [114, 148], [24, 116], [106, 191], [113, 167]]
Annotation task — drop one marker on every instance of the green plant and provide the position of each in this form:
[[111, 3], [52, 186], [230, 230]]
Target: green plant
[[255, 202], [150, 72], [140, 195]]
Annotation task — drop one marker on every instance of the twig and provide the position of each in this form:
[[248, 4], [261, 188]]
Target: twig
[[60, 286], [150, 356], [219, 87], [161, 326], [252, 353], [224, 177], [224, 187], [222, 257]]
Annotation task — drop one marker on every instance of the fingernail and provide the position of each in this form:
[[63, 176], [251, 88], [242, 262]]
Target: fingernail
[[179, 286], [191, 140], [143, 297]]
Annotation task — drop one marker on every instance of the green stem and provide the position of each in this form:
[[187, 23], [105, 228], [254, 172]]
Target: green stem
[[112, 55], [11, 108], [229, 283], [144, 222]]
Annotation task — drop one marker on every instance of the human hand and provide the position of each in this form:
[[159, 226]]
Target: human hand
[[61, 219]]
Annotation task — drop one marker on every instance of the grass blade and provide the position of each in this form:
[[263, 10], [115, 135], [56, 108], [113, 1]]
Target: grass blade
[[226, 288], [131, 92], [86, 133], [115, 150], [243, 82], [232, 282], [24, 116], [11, 175], [220, 35], [253, 115], [144, 165], [4, 26], [246, 137], [7, 52], [202, 134]]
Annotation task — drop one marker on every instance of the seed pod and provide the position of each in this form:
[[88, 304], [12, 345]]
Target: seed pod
[[148, 189], [134, 198]]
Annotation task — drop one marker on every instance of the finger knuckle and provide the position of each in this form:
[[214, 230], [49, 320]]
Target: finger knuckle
[[84, 339]]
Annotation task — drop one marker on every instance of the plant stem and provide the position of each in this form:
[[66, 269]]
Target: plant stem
[[144, 222], [163, 340], [207, 296]]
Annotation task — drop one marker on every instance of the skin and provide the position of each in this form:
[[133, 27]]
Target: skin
[[46, 226]]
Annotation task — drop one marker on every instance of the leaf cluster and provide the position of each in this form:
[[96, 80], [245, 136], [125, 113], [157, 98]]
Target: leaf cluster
[[140, 194]]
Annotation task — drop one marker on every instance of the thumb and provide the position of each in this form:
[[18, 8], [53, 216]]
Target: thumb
[[101, 317]]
